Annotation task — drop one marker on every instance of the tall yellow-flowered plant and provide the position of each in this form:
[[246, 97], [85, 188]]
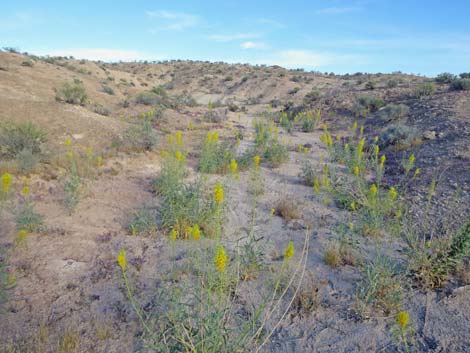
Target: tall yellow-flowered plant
[[289, 251], [6, 183], [220, 259], [219, 193]]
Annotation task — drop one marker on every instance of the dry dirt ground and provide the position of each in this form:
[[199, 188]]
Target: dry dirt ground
[[67, 280]]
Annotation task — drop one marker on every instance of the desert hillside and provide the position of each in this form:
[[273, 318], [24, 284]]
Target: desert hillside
[[189, 206]]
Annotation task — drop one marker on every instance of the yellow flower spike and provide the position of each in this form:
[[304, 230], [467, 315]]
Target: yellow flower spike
[[353, 206], [326, 182], [392, 193], [121, 259], [306, 150], [220, 259], [6, 183], [376, 139], [376, 150], [196, 234], [25, 191], [356, 170], [238, 141], [256, 160], [133, 230], [178, 155], [360, 145], [428, 244], [338, 137], [68, 142], [191, 126], [325, 169], [326, 201], [219, 193], [179, 138], [351, 226], [289, 251], [70, 154], [299, 148], [373, 189], [164, 153], [11, 280], [403, 318], [170, 139], [99, 161], [382, 160], [89, 152], [355, 126], [316, 185], [272, 211], [361, 130], [412, 159], [346, 147], [22, 234], [398, 214], [173, 234], [233, 166], [417, 171]]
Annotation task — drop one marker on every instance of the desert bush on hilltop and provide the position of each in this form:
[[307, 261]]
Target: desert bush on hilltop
[[445, 77], [461, 84], [425, 90]]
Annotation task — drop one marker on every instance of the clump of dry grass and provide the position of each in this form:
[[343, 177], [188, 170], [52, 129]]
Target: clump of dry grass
[[287, 208]]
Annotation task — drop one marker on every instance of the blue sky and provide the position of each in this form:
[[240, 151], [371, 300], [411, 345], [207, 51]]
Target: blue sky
[[421, 36]]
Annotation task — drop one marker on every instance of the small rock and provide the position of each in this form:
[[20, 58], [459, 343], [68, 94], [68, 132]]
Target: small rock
[[429, 135]]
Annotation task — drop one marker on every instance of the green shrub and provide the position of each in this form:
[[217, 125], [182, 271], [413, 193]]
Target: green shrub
[[392, 83], [26, 217], [108, 90], [308, 173], [276, 153], [366, 105], [398, 135], [72, 93], [149, 98], [27, 160], [16, 138], [215, 156], [425, 90], [73, 190], [143, 222], [445, 77], [312, 96], [183, 204], [370, 85], [141, 136], [381, 286], [461, 84], [309, 120], [431, 262], [393, 112], [27, 63]]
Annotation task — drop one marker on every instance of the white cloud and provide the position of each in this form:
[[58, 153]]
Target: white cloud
[[337, 10], [309, 59], [254, 45], [101, 54], [223, 38], [176, 21], [272, 23]]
